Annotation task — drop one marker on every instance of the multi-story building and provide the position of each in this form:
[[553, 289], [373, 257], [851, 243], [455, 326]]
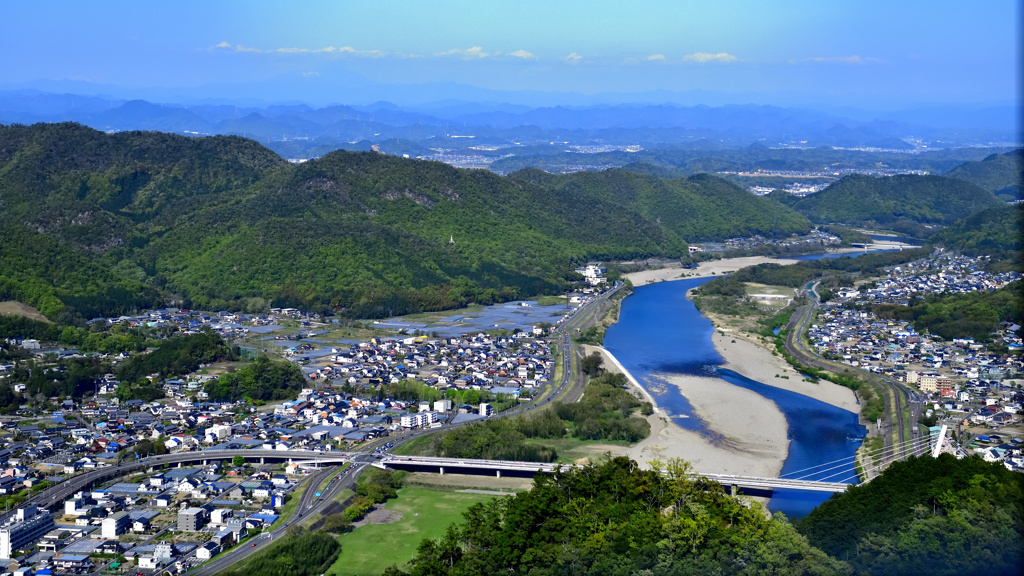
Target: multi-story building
[[28, 525], [116, 524], [191, 519]]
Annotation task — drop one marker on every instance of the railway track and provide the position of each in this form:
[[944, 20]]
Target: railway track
[[896, 397]]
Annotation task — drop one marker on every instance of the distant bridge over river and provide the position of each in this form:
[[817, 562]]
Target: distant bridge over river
[[501, 468]]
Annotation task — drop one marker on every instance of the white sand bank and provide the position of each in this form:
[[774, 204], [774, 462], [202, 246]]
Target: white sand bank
[[758, 363], [747, 432]]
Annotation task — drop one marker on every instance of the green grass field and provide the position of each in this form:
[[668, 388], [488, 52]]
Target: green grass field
[[425, 514], [418, 446], [549, 300], [571, 449]]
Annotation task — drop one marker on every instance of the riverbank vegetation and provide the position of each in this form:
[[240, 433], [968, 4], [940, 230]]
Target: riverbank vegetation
[[607, 412]]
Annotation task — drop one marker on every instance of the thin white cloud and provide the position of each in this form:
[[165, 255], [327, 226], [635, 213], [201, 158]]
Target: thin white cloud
[[474, 53], [236, 47], [854, 59], [573, 57], [523, 54], [654, 57], [295, 50], [706, 57], [325, 50]]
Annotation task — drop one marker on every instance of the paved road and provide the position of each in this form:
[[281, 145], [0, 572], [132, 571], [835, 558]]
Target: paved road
[[309, 506], [570, 388], [900, 396]]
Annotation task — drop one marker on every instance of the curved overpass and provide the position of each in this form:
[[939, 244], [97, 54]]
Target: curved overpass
[[56, 495]]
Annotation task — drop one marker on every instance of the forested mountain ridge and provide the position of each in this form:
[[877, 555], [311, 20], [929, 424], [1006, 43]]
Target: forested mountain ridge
[[996, 232], [97, 223], [893, 200], [1001, 174]]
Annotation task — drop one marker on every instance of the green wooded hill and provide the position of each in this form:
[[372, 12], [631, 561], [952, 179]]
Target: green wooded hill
[[995, 232], [926, 515], [1001, 174], [859, 199], [96, 223], [939, 516]]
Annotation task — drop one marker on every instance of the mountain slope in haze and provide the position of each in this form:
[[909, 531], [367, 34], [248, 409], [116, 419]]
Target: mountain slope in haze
[[222, 222], [859, 199], [1001, 174]]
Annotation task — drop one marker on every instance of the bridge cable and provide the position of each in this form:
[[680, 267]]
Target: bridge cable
[[919, 450], [871, 454]]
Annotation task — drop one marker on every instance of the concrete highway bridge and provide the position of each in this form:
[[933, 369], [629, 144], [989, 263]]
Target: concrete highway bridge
[[55, 495], [746, 484]]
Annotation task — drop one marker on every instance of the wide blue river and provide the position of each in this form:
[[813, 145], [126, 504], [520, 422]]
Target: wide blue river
[[660, 331]]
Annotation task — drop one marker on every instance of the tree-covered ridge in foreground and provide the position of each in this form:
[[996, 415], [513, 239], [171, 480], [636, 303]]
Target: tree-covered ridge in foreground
[[927, 516], [96, 223], [616, 519]]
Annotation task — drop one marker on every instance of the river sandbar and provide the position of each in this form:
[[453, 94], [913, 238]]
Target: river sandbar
[[704, 269], [747, 432], [759, 364]]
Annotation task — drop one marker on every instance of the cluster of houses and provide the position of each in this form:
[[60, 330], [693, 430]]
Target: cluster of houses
[[478, 362], [938, 274], [817, 237], [194, 513], [968, 383]]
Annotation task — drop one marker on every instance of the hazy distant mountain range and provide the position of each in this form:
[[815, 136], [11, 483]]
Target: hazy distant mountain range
[[308, 131]]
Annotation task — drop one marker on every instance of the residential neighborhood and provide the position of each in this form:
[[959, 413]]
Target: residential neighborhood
[[969, 386]]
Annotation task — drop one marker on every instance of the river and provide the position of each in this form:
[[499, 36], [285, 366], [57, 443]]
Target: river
[[660, 331]]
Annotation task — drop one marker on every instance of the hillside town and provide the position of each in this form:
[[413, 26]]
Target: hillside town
[[968, 385]]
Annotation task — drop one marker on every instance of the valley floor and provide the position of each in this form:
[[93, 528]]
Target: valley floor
[[748, 433]]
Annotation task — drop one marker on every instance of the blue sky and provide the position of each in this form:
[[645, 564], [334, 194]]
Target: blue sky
[[866, 53]]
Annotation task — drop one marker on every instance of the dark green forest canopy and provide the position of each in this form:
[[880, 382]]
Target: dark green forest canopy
[[99, 223], [616, 519], [860, 199], [941, 516], [262, 381]]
